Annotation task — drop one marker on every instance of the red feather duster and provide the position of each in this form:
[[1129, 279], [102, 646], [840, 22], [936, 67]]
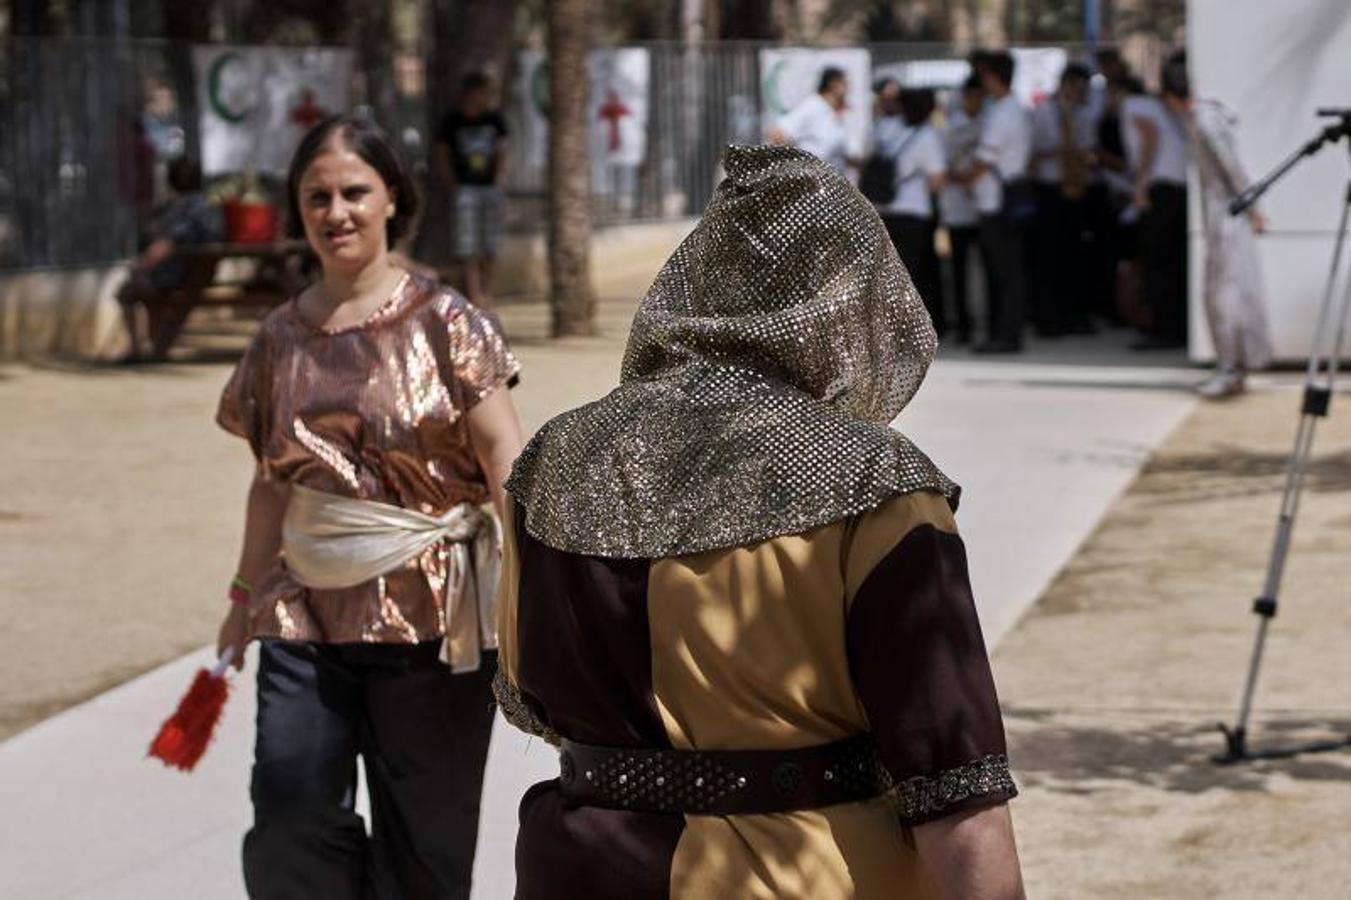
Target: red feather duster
[[184, 736]]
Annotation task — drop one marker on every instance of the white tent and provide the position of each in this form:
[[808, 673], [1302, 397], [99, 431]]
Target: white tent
[[1275, 64]]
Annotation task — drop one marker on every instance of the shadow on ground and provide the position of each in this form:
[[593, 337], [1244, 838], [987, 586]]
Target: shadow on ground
[[1067, 754]]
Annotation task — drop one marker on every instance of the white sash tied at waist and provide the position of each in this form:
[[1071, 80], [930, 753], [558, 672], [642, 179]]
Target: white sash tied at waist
[[331, 541]]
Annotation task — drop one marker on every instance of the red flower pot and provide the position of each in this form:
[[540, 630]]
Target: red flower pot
[[250, 223]]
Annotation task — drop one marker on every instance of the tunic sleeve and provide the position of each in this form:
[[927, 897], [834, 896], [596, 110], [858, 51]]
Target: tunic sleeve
[[243, 409], [480, 361], [918, 660]]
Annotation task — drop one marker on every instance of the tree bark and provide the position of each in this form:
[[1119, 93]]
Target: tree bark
[[374, 41], [466, 36], [571, 295]]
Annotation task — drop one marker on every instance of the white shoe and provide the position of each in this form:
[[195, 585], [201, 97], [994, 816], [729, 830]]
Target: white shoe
[[1223, 384]]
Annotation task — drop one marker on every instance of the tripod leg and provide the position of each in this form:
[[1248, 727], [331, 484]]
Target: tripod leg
[[1319, 383]]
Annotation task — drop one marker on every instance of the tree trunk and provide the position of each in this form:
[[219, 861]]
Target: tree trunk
[[374, 41], [571, 295], [466, 36]]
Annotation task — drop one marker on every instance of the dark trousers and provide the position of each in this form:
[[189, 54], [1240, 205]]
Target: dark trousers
[[1106, 250], [913, 238], [1002, 249], [961, 240], [1163, 255], [1058, 285], [422, 734]]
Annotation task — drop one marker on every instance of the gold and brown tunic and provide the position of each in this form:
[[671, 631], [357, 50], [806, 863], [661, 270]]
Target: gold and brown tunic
[[376, 411], [732, 560], [862, 625]]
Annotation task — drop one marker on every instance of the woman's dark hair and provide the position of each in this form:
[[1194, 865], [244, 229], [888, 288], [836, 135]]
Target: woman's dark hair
[[184, 175], [917, 105], [999, 63], [1076, 71], [364, 138], [1174, 78], [972, 83], [829, 75]]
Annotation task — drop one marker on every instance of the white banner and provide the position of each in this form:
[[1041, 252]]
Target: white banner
[[257, 102], [617, 105], [790, 75], [1274, 65], [1036, 73]]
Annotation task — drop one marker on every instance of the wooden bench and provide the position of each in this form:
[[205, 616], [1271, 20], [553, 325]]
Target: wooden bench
[[280, 270]]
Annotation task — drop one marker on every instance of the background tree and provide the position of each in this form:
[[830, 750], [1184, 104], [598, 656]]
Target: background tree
[[571, 295], [462, 36]]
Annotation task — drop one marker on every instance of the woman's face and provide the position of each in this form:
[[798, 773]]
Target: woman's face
[[345, 205]]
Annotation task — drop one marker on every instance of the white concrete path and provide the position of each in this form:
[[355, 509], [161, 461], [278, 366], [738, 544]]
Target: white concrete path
[[1040, 449]]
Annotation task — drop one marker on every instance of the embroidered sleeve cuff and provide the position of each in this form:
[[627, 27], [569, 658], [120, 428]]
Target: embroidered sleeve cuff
[[982, 782]]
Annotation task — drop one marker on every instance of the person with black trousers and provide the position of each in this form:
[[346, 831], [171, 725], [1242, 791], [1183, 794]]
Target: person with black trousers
[[956, 203], [1062, 141], [916, 151], [1160, 142], [999, 179]]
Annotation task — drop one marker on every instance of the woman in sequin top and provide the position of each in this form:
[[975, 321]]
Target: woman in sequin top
[[374, 390], [739, 602]]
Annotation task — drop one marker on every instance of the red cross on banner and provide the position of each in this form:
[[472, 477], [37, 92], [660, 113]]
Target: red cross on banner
[[612, 111]]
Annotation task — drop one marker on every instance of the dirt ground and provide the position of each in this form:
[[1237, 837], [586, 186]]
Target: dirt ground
[[1114, 683], [121, 503]]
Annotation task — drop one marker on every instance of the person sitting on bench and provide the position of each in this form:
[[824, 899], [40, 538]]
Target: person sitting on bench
[[190, 218]]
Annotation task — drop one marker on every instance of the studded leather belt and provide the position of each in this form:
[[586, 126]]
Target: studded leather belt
[[722, 782]]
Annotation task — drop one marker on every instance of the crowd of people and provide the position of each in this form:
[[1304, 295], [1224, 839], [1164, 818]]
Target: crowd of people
[[1077, 206]]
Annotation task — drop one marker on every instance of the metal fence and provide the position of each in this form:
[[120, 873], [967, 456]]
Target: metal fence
[[76, 187]]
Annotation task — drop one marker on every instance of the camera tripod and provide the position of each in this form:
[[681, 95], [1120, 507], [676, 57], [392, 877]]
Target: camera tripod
[[1320, 381]]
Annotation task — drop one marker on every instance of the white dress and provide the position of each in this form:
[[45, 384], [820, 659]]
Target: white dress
[[1233, 291]]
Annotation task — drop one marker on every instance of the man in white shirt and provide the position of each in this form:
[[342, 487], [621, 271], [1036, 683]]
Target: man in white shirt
[[1003, 199], [817, 123], [1063, 137], [916, 151], [956, 204], [1156, 144]]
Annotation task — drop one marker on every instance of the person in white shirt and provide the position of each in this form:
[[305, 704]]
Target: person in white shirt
[[1003, 199], [956, 203], [1156, 145], [1062, 143], [1232, 286], [817, 123], [916, 152]]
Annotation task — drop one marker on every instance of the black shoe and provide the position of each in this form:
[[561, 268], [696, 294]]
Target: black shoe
[[997, 347]]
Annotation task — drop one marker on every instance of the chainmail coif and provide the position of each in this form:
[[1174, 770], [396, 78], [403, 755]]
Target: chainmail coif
[[764, 366]]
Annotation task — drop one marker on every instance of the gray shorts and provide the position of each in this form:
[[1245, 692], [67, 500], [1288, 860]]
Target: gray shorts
[[478, 220]]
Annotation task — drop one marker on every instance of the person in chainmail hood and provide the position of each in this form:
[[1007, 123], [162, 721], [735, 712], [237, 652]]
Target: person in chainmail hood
[[736, 599]]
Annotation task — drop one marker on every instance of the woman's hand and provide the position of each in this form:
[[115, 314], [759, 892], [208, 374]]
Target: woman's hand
[[1141, 199], [1258, 222], [234, 632]]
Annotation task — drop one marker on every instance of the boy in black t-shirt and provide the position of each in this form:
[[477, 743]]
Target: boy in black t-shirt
[[471, 157]]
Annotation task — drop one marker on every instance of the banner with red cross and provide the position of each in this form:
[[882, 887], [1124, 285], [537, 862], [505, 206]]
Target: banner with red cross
[[257, 103]]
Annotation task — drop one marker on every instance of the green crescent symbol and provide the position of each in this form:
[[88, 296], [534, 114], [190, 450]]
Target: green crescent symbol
[[772, 99], [213, 86]]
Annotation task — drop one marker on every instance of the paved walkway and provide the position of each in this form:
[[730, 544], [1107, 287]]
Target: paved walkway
[[1041, 445]]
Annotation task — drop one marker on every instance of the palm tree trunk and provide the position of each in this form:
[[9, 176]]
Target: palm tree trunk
[[571, 295], [466, 36]]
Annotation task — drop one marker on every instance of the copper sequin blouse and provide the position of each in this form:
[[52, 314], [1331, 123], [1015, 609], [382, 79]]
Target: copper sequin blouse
[[374, 411]]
